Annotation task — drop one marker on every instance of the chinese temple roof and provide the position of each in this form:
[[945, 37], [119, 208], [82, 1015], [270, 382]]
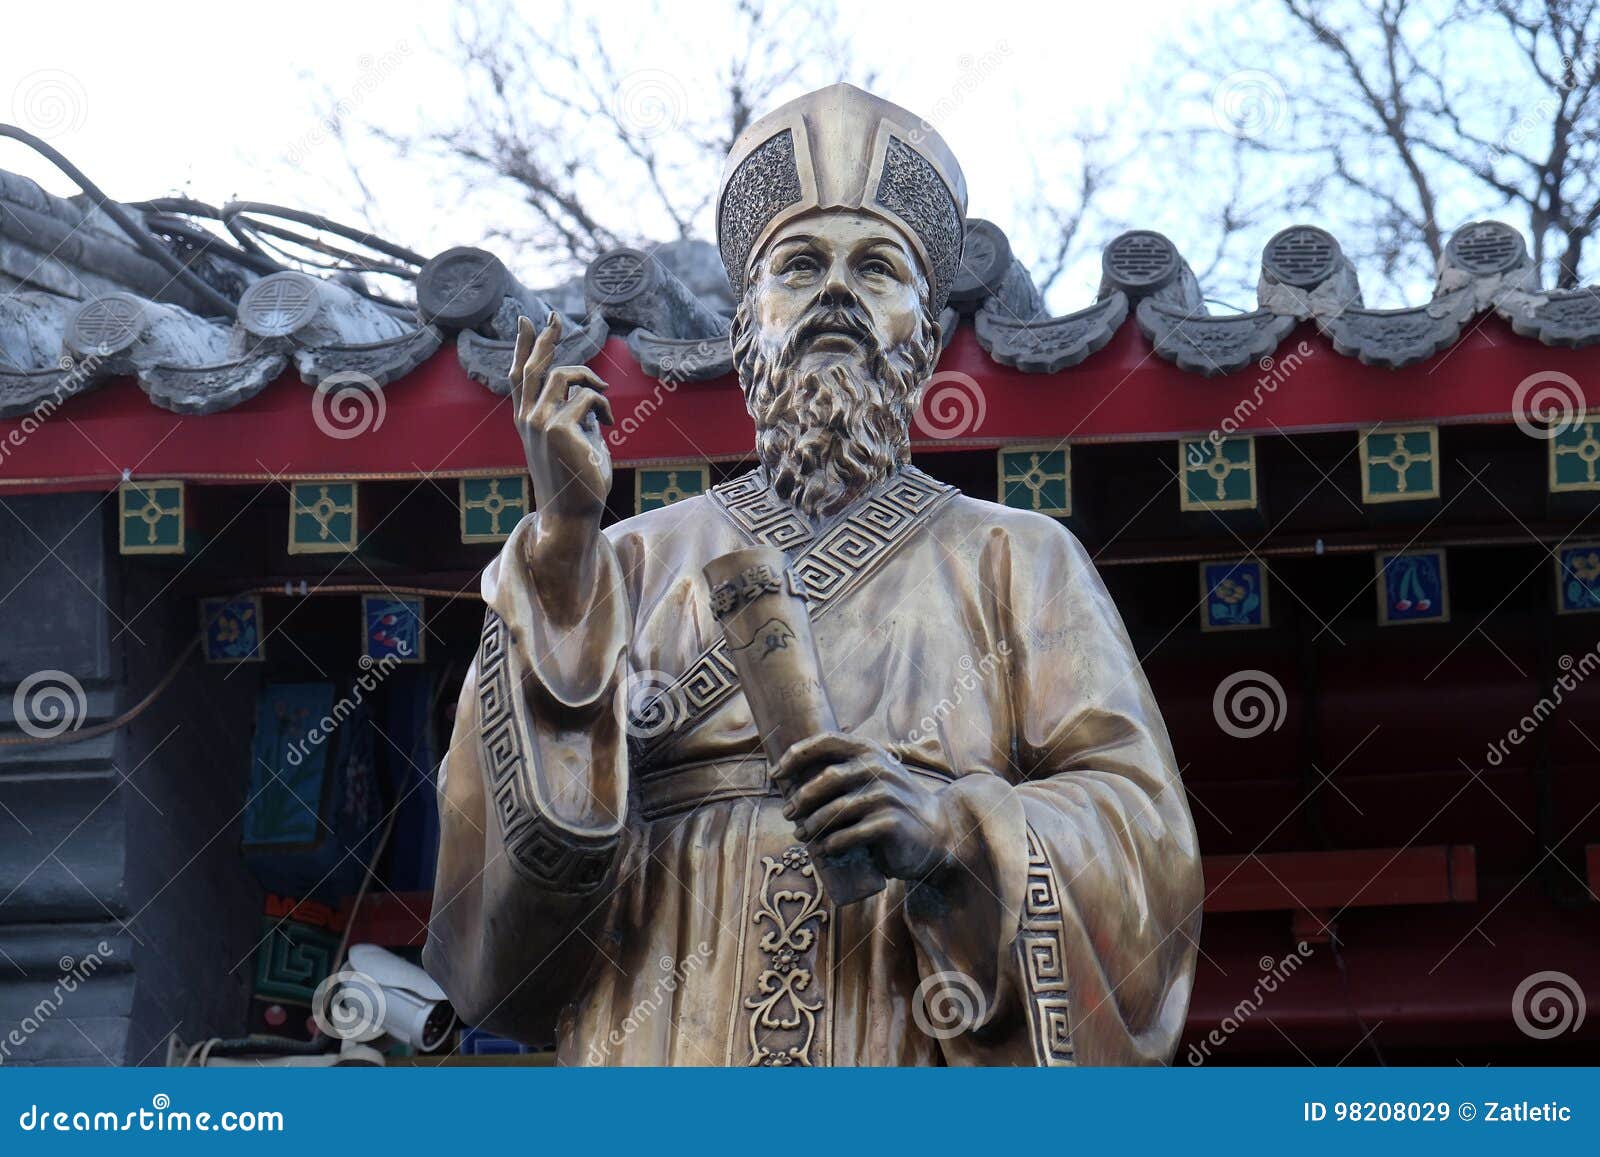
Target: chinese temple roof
[[92, 291]]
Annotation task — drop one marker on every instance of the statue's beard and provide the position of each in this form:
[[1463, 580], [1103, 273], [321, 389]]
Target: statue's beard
[[825, 436]]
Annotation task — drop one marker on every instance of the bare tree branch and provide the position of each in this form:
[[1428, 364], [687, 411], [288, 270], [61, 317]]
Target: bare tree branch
[[1410, 117], [598, 142]]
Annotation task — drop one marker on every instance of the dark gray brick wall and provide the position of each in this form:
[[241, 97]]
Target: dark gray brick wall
[[125, 910]]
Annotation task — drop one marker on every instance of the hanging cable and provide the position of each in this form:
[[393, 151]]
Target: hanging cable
[[254, 251], [252, 222], [137, 233], [174, 216], [237, 216], [109, 725]]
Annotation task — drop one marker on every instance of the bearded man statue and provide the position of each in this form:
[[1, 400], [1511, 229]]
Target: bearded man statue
[[618, 871]]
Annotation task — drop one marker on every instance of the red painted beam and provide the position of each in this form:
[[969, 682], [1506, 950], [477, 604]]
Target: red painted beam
[[1424, 976], [437, 420], [1323, 881]]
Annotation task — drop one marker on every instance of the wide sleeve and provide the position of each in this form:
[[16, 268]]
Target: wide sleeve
[[532, 801], [1074, 912]]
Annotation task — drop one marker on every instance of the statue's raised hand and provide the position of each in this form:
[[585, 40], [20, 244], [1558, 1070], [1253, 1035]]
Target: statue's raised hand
[[558, 413]]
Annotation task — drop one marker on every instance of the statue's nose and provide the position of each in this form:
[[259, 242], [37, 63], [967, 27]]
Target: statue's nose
[[837, 289]]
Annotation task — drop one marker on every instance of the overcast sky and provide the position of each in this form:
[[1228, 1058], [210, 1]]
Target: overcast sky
[[218, 101]]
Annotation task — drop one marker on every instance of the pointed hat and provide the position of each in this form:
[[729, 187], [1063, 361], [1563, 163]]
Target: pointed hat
[[843, 148]]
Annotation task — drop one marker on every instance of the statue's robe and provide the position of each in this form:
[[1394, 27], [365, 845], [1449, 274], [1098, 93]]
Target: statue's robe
[[626, 883]]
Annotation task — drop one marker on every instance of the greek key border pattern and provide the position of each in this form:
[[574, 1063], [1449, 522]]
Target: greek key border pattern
[[538, 849], [753, 507], [1042, 962], [829, 567]]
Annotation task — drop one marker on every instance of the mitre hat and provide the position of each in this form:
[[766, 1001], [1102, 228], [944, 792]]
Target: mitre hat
[[843, 148]]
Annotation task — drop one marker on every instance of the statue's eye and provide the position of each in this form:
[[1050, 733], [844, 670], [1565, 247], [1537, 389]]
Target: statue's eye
[[801, 263], [877, 267]]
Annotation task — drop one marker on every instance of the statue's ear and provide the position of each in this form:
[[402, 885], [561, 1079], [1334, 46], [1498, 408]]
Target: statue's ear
[[941, 321]]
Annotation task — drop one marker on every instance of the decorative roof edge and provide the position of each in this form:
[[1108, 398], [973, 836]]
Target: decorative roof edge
[[73, 322]]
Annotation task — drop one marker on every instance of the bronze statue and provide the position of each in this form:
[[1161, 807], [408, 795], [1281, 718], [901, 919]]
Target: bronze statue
[[624, 866]]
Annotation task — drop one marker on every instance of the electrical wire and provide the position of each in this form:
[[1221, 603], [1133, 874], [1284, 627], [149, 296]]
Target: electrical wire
[[317, 1045], [171, 215], [110, 725], [443, 684], [366, 883], [139, 708], [244, 220], [240, 219], [137, 233], [234, 215]]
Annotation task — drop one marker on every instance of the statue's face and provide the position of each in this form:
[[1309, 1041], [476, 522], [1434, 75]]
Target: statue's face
[[834, 287], [833, 341]]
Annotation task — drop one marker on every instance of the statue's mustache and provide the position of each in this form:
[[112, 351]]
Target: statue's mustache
[[830, 318]]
